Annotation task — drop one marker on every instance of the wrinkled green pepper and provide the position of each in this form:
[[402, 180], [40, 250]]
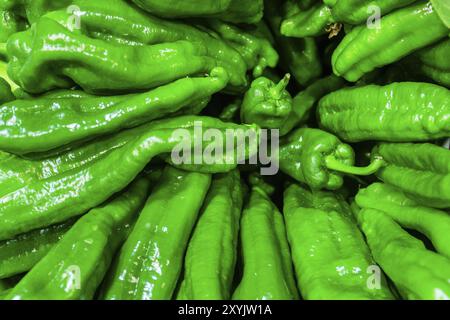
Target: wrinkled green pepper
[[267, 273], [211, 255], [360, 11], [47, 123], [299, 56], [433, 223], [176, 50], [21, 253], [83, 177], [421, 171], [330, 256], [267, 104], [150, 261], [307, 23], [10, 23], [5, 92], [75, 267], [418, 273], [231, 112], [319, 159], [401, 32], [399, 112], [238, 11]]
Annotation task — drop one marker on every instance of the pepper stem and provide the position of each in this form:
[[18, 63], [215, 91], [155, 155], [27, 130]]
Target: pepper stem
[[277, 90], [333, 164]]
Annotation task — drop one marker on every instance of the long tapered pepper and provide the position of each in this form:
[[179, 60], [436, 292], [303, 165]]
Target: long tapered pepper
[[319, 159], [330, 256], [150, 261], [21, 253], [267, 273], [422, 171], [211, 255], [403, 112], [433, 223], [418, 273], [83, 177], [401, 32], [75, 267], [47, 123]]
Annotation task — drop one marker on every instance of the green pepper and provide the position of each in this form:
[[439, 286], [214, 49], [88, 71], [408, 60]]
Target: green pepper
[[10, 23], [330, 256], [47, 123], [399, 112], [418, 273], [32, 10], [401, 33], [177, 50], [300, 56], [21, 253], [434, 63], [267, 273], [75, 267], [319, 159], [307, 23], [45, 189], [267, 104], [256, 50], [421, 171], [433, 223], [150, 261], [360, 11], [231, 112], [238, 11], [211, 255], [5, 92]]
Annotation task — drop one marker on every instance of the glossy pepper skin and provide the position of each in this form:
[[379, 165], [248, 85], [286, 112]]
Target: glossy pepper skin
[[211, 254], [47, 123], [307, 23], [267, 104], [267, 273], [176, 50], [85, 252], [32, 10], [257, 51], [330, 256], [319, 159], [418, 273], [78, 179], [21, 253], [422, 171], [10, 23], [402, 32], [433, 223], [151, 259], [360, 11], [300, 56], [399, 112], [237, 11]]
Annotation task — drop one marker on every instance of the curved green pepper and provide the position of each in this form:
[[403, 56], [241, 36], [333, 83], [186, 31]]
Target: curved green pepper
[[75, 267], [307, 23], [421, 171], [81, 178], [49, 122], [5, 92], [401, 32], [404, 111], [32, 10], [434, 224], [417, 272], [360, 11], [330, 256], [256, 50], [21, 253], [231, 112], [319, 159], [267, 104], [299, 56], [238, 11], [211, 255], [10, 23], [267, 273], [151, 259]]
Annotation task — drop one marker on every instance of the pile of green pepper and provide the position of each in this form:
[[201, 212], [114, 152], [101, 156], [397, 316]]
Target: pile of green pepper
[[98, 98]]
